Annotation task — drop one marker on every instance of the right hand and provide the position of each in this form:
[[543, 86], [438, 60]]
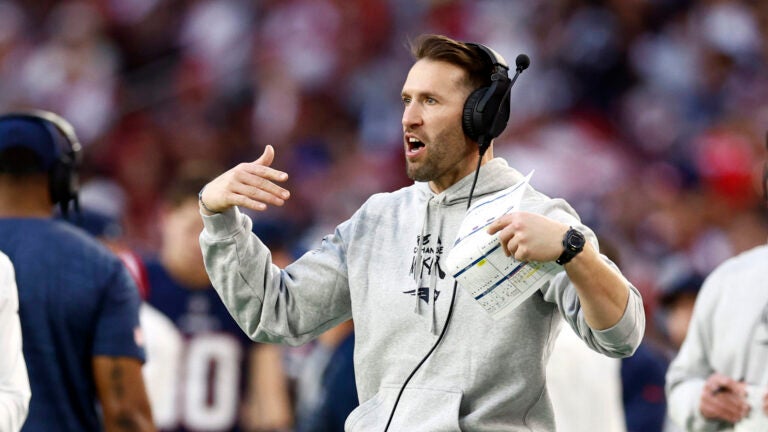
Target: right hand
[[723, 398], [249, 185]]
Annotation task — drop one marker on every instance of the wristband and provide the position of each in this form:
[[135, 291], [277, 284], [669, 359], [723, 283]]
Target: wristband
[[202, 203]]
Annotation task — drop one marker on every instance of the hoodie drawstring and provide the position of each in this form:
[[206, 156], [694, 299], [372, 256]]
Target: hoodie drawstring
[[418, 266], [434, 270], [432, 287]]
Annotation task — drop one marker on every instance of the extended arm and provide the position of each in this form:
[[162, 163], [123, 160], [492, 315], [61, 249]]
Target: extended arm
[[120, 387], [270, 304]]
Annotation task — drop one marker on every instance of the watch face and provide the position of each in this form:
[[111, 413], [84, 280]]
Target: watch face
[[575, 240]]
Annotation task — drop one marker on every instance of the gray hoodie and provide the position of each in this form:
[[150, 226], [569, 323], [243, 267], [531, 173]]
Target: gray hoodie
[[384, 269]]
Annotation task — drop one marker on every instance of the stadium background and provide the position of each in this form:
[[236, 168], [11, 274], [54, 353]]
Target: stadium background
[[649, 116]]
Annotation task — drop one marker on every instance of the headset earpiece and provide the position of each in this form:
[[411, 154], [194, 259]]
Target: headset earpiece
[[62, 175], [468, 121], [486, 110], [63, 184]]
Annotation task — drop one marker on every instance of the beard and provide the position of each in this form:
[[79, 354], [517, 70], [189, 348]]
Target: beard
[[444, 153]]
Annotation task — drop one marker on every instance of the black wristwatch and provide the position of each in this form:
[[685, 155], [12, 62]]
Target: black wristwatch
[[573, 243]]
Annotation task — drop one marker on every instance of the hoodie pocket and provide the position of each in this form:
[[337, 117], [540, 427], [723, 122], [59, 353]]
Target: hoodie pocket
[[419, 409]]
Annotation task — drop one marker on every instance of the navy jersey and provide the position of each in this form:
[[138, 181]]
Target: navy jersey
[[643, 379], [337, 396], [76, 301], [212, 370]]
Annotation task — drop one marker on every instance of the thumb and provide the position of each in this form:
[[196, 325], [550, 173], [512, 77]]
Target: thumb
[[267, 157]]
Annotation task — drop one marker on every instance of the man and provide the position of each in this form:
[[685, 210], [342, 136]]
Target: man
[[487, 374], [162, 341], [14, 383], [719, 379], [214, 386], [77, 303]]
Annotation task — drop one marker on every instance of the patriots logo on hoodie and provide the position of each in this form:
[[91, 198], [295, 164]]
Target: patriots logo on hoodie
[[423, 294]]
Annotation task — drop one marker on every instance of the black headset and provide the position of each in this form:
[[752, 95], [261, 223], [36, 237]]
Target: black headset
[[63, 181], [486, 110]]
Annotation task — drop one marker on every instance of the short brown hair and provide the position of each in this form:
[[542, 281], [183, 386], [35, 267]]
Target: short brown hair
[[442, 48]]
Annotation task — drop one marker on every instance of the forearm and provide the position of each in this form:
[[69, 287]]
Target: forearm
[[122, 395], [603, 292], [267, 405]]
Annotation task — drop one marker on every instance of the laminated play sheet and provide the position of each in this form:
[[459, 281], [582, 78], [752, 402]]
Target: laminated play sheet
[[478, 262]]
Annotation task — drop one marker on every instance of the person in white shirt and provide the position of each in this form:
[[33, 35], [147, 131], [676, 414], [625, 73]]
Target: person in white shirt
[[578, 379], [14, 382]]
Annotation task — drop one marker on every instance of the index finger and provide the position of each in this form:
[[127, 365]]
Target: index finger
[[497, 225], [263, 171]]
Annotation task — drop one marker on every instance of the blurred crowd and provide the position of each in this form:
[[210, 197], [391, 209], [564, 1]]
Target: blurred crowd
[[651, 113]]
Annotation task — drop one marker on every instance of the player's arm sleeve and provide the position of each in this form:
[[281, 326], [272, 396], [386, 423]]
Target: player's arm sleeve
[[14, 382], [291, 305], [691, 367], [118, 333]]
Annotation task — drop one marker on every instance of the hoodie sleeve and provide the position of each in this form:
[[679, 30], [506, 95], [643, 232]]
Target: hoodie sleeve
[[625, 336], [622, 339], [291, 305]]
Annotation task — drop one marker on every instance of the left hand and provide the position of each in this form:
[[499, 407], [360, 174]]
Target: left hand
[[529, 236]]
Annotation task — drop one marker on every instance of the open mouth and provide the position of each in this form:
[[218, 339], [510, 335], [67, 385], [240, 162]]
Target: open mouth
[[414, 145]]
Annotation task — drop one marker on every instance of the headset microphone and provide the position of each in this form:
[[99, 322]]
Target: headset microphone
[[521, 63]]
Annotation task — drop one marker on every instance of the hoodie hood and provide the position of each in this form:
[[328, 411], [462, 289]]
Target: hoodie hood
[[494, 176]]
